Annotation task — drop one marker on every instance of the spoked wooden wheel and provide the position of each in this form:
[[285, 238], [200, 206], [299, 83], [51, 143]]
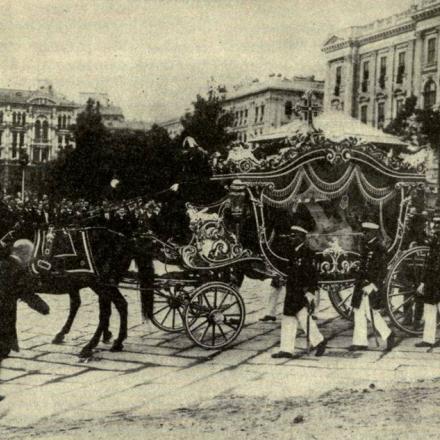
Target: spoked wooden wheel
[[340, 297], [404, 306], [170, 299], [215, 316]]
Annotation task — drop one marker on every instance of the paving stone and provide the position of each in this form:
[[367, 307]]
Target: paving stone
[[41, 367], [100, 364], [34, 379], [233, 357], [6, 374]]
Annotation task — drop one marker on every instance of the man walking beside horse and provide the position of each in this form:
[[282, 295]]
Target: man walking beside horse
[[15, 284]]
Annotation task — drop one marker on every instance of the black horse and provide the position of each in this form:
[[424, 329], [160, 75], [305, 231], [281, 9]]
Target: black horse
[[110, 254]]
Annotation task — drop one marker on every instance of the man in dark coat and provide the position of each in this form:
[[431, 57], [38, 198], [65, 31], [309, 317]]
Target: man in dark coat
[[368, 290], [281, 221], [301, 286], [15, 284], [430, 288]]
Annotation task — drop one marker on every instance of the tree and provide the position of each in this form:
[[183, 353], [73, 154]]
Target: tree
[[144, 162], [85, 170], [208, 123], [420, 127]]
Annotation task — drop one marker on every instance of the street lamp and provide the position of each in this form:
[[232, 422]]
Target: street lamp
[[23, 160]]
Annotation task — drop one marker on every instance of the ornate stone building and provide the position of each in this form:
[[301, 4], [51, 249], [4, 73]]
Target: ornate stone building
[[262, 106], [173, 127], [35, 124], [371, 69]]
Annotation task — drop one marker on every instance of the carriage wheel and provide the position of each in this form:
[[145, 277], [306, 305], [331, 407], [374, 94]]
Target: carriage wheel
[[404, 307], [340, 297], [169, 304], [215, 316]]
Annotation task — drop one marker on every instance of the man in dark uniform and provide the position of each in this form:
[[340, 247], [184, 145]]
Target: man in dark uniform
[[281, 222], [301, 285], [368, 290], [15, 284], [429, 289], [143, 255]]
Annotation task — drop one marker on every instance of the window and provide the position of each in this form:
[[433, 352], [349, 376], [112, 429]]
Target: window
[[244, 136], [23, 119], [45, 131], [256, 114], [68, 120], [431, 51], [38, 131], [1, 135], [429, 94], [380, 114], [64, 121], [14, 145], [399, 106], [245, 117], [21, 139], [59, 121], [364, 114], [14, 118], [60, 141], [338, 81], [44, 154], [401, 68], [382, 72], [365, 76], [1, 117], [36, 155], [288, 109], [262, 113]]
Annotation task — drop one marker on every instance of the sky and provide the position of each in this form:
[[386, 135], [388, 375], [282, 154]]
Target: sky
[[153, 56]]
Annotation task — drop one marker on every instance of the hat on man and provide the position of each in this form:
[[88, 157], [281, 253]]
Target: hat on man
[[370, 225], [296, 228]]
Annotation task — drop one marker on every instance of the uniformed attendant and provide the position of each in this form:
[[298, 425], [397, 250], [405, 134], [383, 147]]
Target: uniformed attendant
[[368, 288], [281, 223], [430, 288], [301, 285], [15, 284]]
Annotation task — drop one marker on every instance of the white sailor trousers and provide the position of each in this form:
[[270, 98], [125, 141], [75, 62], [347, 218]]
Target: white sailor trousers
[[273, 300], [430, 326], [289, 327], [361, 316]]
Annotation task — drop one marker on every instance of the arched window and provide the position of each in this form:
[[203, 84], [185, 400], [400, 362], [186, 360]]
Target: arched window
[[288, 109], [38, 131], [429, 94], [45, 131]]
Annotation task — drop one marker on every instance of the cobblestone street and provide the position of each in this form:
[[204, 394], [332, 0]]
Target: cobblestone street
[[160, 371]]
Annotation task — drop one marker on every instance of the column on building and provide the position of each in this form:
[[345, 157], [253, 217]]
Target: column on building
[[350, 67], [328, 87], [391, 74], [416, 88]]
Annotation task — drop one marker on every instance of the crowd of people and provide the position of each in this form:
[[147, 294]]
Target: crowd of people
[[40, 211]]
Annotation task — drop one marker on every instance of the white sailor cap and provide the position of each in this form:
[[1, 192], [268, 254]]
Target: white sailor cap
[[296, 228], [370, 225]]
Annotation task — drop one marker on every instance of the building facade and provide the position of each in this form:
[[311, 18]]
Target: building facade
[[262, 106], [173, 127], [35, 124], [372, 69]]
